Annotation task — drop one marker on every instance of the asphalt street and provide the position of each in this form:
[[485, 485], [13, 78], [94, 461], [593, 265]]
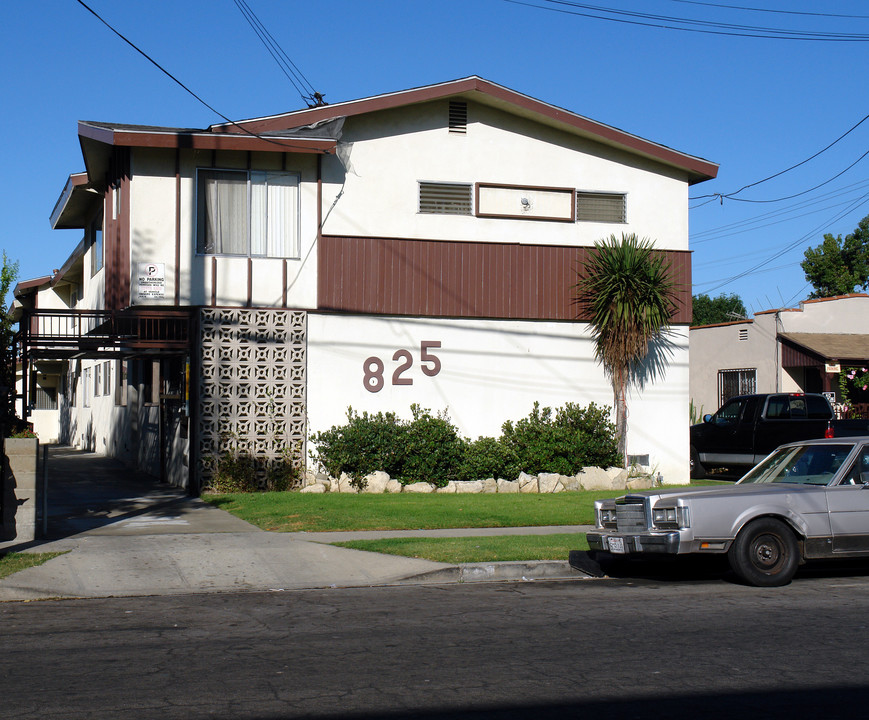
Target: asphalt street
[[668, 645]]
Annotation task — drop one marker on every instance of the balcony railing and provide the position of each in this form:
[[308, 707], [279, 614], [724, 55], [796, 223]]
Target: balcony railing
[[64, 333]]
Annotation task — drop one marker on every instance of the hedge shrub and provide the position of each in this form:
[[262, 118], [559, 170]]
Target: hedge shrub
[[428, 448]]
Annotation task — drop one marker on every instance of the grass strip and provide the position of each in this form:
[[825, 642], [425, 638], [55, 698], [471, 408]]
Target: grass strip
[[13, 562], [297, 512], [496, 548]]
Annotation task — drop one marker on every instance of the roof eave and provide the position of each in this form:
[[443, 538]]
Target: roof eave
[[697, 169]]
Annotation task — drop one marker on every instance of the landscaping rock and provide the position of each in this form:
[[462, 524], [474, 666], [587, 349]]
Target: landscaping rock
[[376, 482], [490, 485], [550, 483], [450, 487], [469, 486], [314, 489], [595, 478], [640, 482], [528, 483], [393, 486], [507, 486], [620, 477], [344, 486], [571, 482], [419, 487]]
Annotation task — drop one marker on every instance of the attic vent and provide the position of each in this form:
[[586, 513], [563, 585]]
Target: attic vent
[[445, 198], [458, 116], [743, 333], [600, 207]]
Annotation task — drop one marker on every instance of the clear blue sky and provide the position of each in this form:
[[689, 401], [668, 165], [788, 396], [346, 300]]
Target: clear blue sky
[[755, 106]]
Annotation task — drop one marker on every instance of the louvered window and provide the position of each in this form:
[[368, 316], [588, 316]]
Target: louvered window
[[601, 207], [445, 198], [458, 116]]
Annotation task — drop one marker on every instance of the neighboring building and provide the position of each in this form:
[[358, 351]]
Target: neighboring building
[[248, 282], [792, 350]]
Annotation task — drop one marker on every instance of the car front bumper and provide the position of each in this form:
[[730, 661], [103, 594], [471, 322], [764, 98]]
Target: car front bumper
[[660, 543]]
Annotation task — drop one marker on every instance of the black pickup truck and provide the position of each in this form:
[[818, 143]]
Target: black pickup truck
[[749, 427]]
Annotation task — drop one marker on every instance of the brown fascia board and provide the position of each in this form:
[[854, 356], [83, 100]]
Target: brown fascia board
[[75, 183], [147, 136], [74, 257], [747, 321], [25, 287], [491, 94]]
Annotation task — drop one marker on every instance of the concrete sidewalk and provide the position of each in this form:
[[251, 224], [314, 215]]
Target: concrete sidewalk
[[125, 535]]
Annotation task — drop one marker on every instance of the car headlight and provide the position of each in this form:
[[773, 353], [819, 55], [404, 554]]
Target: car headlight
[[606, 517], [670, 518]]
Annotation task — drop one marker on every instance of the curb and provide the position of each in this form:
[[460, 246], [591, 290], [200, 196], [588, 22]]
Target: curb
[[500, 572]]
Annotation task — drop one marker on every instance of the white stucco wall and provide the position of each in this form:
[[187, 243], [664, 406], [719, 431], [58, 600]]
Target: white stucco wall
[[152, 223], [393, 150], [491, 371]]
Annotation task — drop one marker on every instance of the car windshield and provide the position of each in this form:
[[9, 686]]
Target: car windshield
[[804, 465]]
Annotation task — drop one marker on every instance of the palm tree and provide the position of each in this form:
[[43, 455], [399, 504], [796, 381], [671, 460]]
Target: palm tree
[[627, 293]]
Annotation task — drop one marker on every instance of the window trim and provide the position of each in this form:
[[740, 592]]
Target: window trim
[[295, 253]]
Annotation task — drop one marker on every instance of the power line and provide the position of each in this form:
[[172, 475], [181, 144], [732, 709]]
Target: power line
[[183, 86], [750, 271], [288, 67], [731, 196], [768, 10], [706, 27]]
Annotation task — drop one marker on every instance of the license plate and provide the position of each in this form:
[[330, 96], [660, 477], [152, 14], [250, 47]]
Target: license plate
[[616, 545]]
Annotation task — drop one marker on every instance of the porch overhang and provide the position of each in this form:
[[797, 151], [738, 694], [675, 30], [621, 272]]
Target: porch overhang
[[818, 349]]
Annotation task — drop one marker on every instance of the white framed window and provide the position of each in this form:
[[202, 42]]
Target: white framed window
[[251, 213], [95, 239], [98, 380], [87, 388]]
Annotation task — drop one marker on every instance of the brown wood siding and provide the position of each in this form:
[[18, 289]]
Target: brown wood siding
[[433, 278]]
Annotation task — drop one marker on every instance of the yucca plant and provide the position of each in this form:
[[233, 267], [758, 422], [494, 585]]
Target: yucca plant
[[627, 293]]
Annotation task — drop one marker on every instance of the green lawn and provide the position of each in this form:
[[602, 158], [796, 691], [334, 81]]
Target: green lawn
[[14, 561], [295, 512], [478, 549]]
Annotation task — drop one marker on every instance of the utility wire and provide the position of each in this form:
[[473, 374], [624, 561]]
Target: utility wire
[[731, 196], [184, 87], [288, 67], [706, 27], [768, 10], [752, 270]]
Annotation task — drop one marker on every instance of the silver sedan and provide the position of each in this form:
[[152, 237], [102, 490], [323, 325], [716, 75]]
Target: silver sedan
[[805, 501]]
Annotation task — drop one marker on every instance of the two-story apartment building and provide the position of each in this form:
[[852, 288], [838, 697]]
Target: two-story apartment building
[[249, 282]]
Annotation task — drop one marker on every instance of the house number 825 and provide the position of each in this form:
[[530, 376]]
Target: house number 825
[[373, 367]]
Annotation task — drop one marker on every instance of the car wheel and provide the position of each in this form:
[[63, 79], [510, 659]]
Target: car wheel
[[765, 553], [698, 472]]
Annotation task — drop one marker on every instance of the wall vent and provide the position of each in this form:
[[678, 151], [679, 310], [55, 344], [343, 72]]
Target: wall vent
[[458, 122], [743, 333], [445, 198], [601, 207]]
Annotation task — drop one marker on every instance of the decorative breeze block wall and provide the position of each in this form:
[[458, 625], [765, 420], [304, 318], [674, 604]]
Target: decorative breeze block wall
[[252, 385]]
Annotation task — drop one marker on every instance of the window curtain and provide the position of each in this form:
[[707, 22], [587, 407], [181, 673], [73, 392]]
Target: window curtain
[[273, 202], [223, 212]]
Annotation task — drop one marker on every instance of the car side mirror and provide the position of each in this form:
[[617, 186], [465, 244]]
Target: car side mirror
[[707, 418]]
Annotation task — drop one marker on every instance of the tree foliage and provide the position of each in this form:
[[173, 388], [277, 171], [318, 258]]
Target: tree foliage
[[721, 309], [628, 294], [8, 275], [839, 266]]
